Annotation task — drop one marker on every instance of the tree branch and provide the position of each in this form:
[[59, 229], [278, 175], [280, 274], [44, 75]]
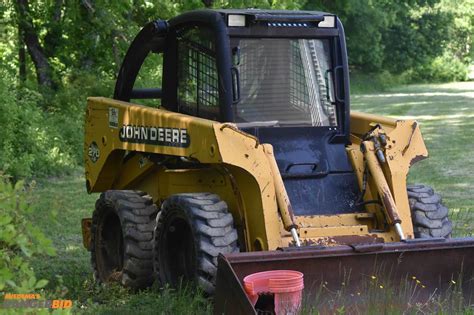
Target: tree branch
[[35, 50], [208, 3]]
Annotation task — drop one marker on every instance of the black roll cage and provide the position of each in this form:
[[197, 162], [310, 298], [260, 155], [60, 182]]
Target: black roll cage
[[160, 37]]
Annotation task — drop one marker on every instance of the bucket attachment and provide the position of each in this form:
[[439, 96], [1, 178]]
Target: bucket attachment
[[421, 268]]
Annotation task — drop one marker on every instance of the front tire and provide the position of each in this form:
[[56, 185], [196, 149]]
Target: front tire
[[429, 215], [121, 238], [191, 231]]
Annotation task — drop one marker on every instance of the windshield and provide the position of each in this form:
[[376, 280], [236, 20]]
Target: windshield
[[284, 82]]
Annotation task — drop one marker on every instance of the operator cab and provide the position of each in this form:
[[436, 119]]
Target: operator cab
[[281, 76]]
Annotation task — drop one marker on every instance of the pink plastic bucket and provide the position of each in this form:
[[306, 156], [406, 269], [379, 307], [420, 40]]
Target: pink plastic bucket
[[286, 285]]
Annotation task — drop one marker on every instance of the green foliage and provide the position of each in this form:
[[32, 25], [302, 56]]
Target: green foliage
[[66, 108], [20, 240], [415, 39], [398, 36], [363, 22], [389, 42], [32, 142], [443, 68], [419, 39], [260, 4]]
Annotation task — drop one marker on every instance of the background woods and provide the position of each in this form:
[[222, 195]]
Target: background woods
[[61, 37], [55, 53]]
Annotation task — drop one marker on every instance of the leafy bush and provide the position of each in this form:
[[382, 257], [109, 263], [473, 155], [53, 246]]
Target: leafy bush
[[31, 141], [65, 110], [444, 68], [20, 240]]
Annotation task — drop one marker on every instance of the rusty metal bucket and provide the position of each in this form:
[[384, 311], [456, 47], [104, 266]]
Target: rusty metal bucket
[[424, 266]]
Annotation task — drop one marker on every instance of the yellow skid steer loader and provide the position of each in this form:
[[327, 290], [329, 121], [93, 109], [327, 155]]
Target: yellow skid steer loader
[[253, 161]]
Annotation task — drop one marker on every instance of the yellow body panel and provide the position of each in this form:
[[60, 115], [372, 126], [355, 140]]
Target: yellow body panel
[[126, 143]]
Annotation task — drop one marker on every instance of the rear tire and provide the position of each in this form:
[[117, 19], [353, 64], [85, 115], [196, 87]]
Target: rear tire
[[121, 238], [191, 230], [429, 215]]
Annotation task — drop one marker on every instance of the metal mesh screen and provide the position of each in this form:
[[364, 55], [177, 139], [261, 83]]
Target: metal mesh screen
[[298, 91], [282, 80], [198, 92]]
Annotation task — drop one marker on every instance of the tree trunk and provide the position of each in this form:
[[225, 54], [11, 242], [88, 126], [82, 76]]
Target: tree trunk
[[208, 3], [115, 51], [53, 39], [87, 11], [35, 50], [21, 56]]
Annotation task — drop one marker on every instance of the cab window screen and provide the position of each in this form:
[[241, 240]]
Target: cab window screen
[[285, 82], [197, 74]]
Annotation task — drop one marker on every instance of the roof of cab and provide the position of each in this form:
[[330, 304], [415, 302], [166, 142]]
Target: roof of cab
[[270, 12]]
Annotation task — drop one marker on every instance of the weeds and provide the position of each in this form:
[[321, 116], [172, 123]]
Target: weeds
[[113, 299], [379, 295]]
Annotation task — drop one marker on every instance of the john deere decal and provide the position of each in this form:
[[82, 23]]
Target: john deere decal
[[172, 137]]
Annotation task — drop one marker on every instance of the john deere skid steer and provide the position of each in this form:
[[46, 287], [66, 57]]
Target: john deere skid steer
[[252, 161]]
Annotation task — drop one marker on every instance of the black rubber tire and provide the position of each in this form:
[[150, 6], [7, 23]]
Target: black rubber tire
[[429, 215], [191, 230], [121, 238]]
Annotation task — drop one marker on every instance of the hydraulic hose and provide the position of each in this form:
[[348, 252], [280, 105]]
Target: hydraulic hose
[[283, 201]]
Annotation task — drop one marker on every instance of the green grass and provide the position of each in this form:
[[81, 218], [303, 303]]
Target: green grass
[[446, 114], [59, 205], [379, 295]]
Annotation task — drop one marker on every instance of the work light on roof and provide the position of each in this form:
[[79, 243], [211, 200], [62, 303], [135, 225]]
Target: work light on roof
[[236, 20], [329, 21]]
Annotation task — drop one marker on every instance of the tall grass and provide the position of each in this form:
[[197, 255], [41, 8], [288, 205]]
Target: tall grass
[[380, 295]]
